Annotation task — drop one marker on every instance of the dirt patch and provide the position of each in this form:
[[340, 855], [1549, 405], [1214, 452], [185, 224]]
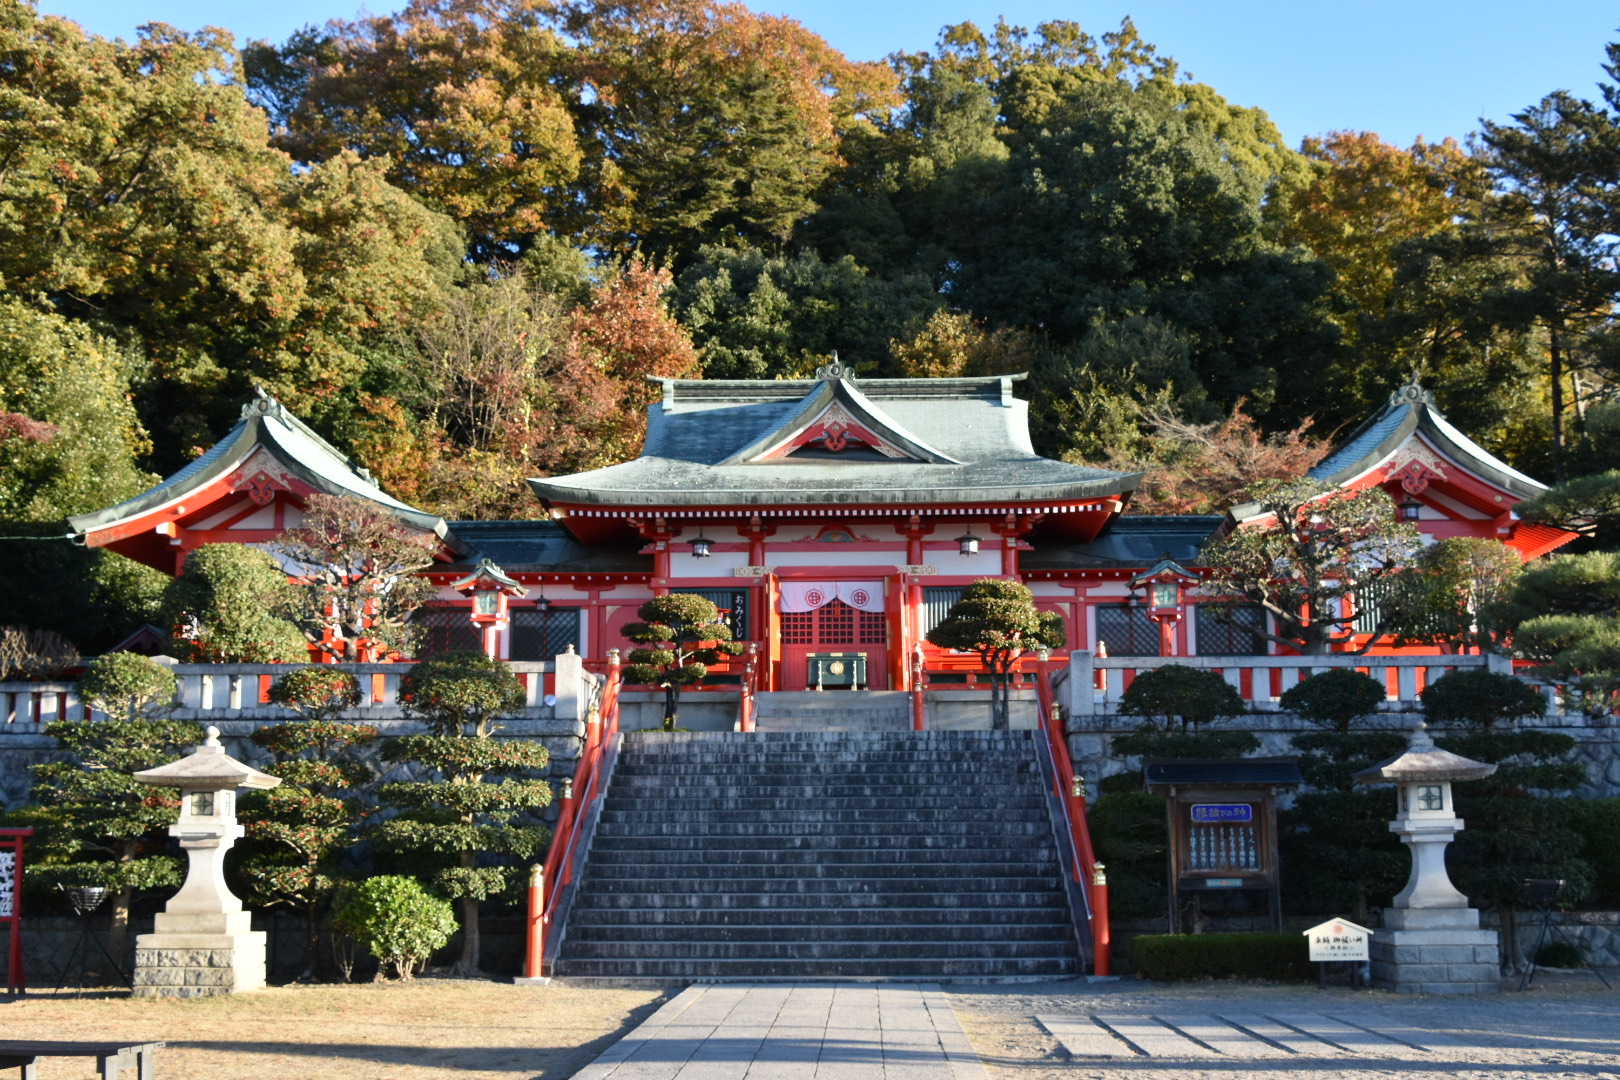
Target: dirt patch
[[427, 1029]]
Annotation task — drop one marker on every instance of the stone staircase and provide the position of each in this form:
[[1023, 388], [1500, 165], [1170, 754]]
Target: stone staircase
[[832, 710], [924, 855]]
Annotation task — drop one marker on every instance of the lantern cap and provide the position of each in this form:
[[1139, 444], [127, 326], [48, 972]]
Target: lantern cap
[[209, 767], [1421, 762], [487, 575], [1164, 569]]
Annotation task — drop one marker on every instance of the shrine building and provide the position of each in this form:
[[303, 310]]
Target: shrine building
[[832, 515]]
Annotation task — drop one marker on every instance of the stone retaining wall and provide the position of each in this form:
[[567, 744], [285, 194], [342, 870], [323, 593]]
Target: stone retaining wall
[[1597, 746]]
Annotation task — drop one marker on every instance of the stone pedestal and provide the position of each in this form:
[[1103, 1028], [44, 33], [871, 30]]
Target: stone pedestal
[[199, 956], [1435, 951]]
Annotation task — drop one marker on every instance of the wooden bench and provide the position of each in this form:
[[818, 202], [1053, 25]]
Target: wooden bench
[[111, 1057]]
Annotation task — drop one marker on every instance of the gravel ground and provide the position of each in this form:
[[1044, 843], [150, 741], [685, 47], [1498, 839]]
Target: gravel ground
[[1565, 1025]]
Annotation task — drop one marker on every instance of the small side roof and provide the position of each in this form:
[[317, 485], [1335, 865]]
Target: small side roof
[[1410, 411], [266, 423]]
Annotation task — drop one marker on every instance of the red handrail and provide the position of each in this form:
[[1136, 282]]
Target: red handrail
[[1088, 872], [547, 881], [750, 676]]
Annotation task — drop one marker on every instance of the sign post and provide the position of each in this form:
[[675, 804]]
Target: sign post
[[1339, 941], [11, 878]]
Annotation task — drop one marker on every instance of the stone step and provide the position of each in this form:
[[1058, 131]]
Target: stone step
[[772, 769], [646, 787], [634, 873], [618, 853], [751, 829], [943, 813], [1046, 896], [853, 918], [776, 931], [779, 805], [922, 967], [621, 882], [811, 949]]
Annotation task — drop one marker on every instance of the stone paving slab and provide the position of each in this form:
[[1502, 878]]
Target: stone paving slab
[[796, 1031], [1362, 1034]]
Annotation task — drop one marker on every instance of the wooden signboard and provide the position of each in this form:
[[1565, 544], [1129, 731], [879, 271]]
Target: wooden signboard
[[1222, 818], [11, 878]]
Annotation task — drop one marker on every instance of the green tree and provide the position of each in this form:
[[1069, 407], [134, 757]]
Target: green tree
[[1337, 852], [99, 826], [1456, 594], [1556, 168], [1177, 697], [758, 316], [706, 122], [464, 819], [228, 605], [297, 833], [1335, 698], [998, 620], [680, 636], [1309, 551], [1516, 829], [1589, 505]]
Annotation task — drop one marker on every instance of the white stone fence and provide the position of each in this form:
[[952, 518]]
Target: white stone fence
[[554, 689], [1092, 686]]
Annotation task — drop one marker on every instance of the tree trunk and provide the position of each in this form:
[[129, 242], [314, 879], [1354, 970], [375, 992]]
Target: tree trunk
[[467, 964], [672, 706], [1555, 355]]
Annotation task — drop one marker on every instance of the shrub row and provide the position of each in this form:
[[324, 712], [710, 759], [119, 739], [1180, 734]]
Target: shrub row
[[1180, 957]]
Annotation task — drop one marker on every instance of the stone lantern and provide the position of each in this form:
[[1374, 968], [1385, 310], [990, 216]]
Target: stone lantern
[[489, 587], [202, 942], [1431, 942], [1165, 581]]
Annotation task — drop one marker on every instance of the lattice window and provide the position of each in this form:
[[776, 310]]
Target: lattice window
[[1126, 630], [542, 635], [837, 624], [449, 629], [937, 601], [797, 628], [874, 628], [1230, 629]]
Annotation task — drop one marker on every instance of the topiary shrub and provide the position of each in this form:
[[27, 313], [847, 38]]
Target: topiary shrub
[[1480, 699], [1335, 698], [1180, 695], [399, 922], [317, 693], [461, 693], [1180, 957], [1129, 834], [127, 686]]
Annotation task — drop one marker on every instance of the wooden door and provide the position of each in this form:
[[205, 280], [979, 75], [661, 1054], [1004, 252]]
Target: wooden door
[[835, 627]]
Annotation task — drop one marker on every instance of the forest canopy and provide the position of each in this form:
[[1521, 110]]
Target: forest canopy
[[457, 239]]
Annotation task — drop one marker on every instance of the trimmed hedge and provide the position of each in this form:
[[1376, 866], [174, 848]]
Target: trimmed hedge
[[1181, 957]]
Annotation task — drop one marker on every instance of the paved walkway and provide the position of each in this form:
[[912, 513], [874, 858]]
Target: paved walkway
[[796, 1031]]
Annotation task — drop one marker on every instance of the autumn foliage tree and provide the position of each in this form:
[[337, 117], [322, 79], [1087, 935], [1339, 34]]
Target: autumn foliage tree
[[354, 569], [1307, 554], [1202, 468]]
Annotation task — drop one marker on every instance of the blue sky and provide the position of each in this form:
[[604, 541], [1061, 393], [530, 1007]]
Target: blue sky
[[1401, 68]]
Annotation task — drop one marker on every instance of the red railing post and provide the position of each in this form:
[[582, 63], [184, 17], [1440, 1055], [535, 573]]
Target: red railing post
[[1101, 936], [919, 689], [536, 944]]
